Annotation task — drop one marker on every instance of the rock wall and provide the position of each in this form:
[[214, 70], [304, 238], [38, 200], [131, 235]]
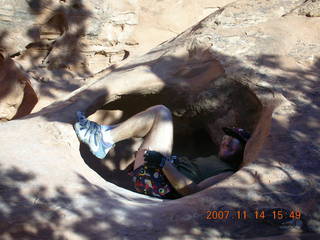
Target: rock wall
[[265, 47], [60, 44], [17, 96]]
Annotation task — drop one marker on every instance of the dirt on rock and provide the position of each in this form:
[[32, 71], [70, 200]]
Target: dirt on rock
[[252, 64], [61, 44]]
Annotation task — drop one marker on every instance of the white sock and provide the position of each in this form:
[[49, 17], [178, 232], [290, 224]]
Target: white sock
[[106, 136]]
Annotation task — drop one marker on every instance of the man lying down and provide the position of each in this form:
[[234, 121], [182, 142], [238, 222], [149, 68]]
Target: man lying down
[[155, 172]]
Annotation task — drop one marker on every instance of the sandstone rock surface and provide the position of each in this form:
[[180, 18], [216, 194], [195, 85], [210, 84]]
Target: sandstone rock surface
[[251, 61], [17, 96], [62, 43]]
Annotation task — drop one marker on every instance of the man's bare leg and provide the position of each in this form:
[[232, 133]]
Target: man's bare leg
[[154, 125]]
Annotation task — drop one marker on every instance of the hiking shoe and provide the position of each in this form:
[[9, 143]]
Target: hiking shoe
[[90, 133]]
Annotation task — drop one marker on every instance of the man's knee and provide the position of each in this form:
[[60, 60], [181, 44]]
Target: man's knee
[[162, 110]]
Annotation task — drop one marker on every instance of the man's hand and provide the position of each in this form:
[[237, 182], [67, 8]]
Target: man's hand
[[154, 159]]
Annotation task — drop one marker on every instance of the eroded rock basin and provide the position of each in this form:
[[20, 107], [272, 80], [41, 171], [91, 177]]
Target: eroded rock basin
[[197, 124], [78, 203], [48, 190], [83, 202]]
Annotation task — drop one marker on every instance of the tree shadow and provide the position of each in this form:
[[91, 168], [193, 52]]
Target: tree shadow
[[98, 212], [291, 192], [55, 57], [287, 194]]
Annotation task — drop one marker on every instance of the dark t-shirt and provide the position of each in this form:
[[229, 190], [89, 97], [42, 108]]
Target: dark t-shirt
[[202, 168]]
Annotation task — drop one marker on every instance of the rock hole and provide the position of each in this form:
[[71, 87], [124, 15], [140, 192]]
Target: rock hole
[[54, 27], [198, 119]]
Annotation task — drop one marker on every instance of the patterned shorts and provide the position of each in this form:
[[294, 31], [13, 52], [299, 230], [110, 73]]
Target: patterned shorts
[[151, 182]]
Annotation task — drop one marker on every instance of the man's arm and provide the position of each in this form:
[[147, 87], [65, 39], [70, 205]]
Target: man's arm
[[180, 182], [186, 186], [213, 180]]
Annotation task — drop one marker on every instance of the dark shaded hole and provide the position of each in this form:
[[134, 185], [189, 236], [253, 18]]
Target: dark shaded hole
[[77, 6], [197, 143], [37, 6], [191, 136], [15, 55], [57, 23]]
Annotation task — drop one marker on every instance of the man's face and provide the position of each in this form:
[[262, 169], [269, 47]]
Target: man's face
[[228, 147]]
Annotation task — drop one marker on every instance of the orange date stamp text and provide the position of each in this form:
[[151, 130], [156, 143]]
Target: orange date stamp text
[[275, 214]]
